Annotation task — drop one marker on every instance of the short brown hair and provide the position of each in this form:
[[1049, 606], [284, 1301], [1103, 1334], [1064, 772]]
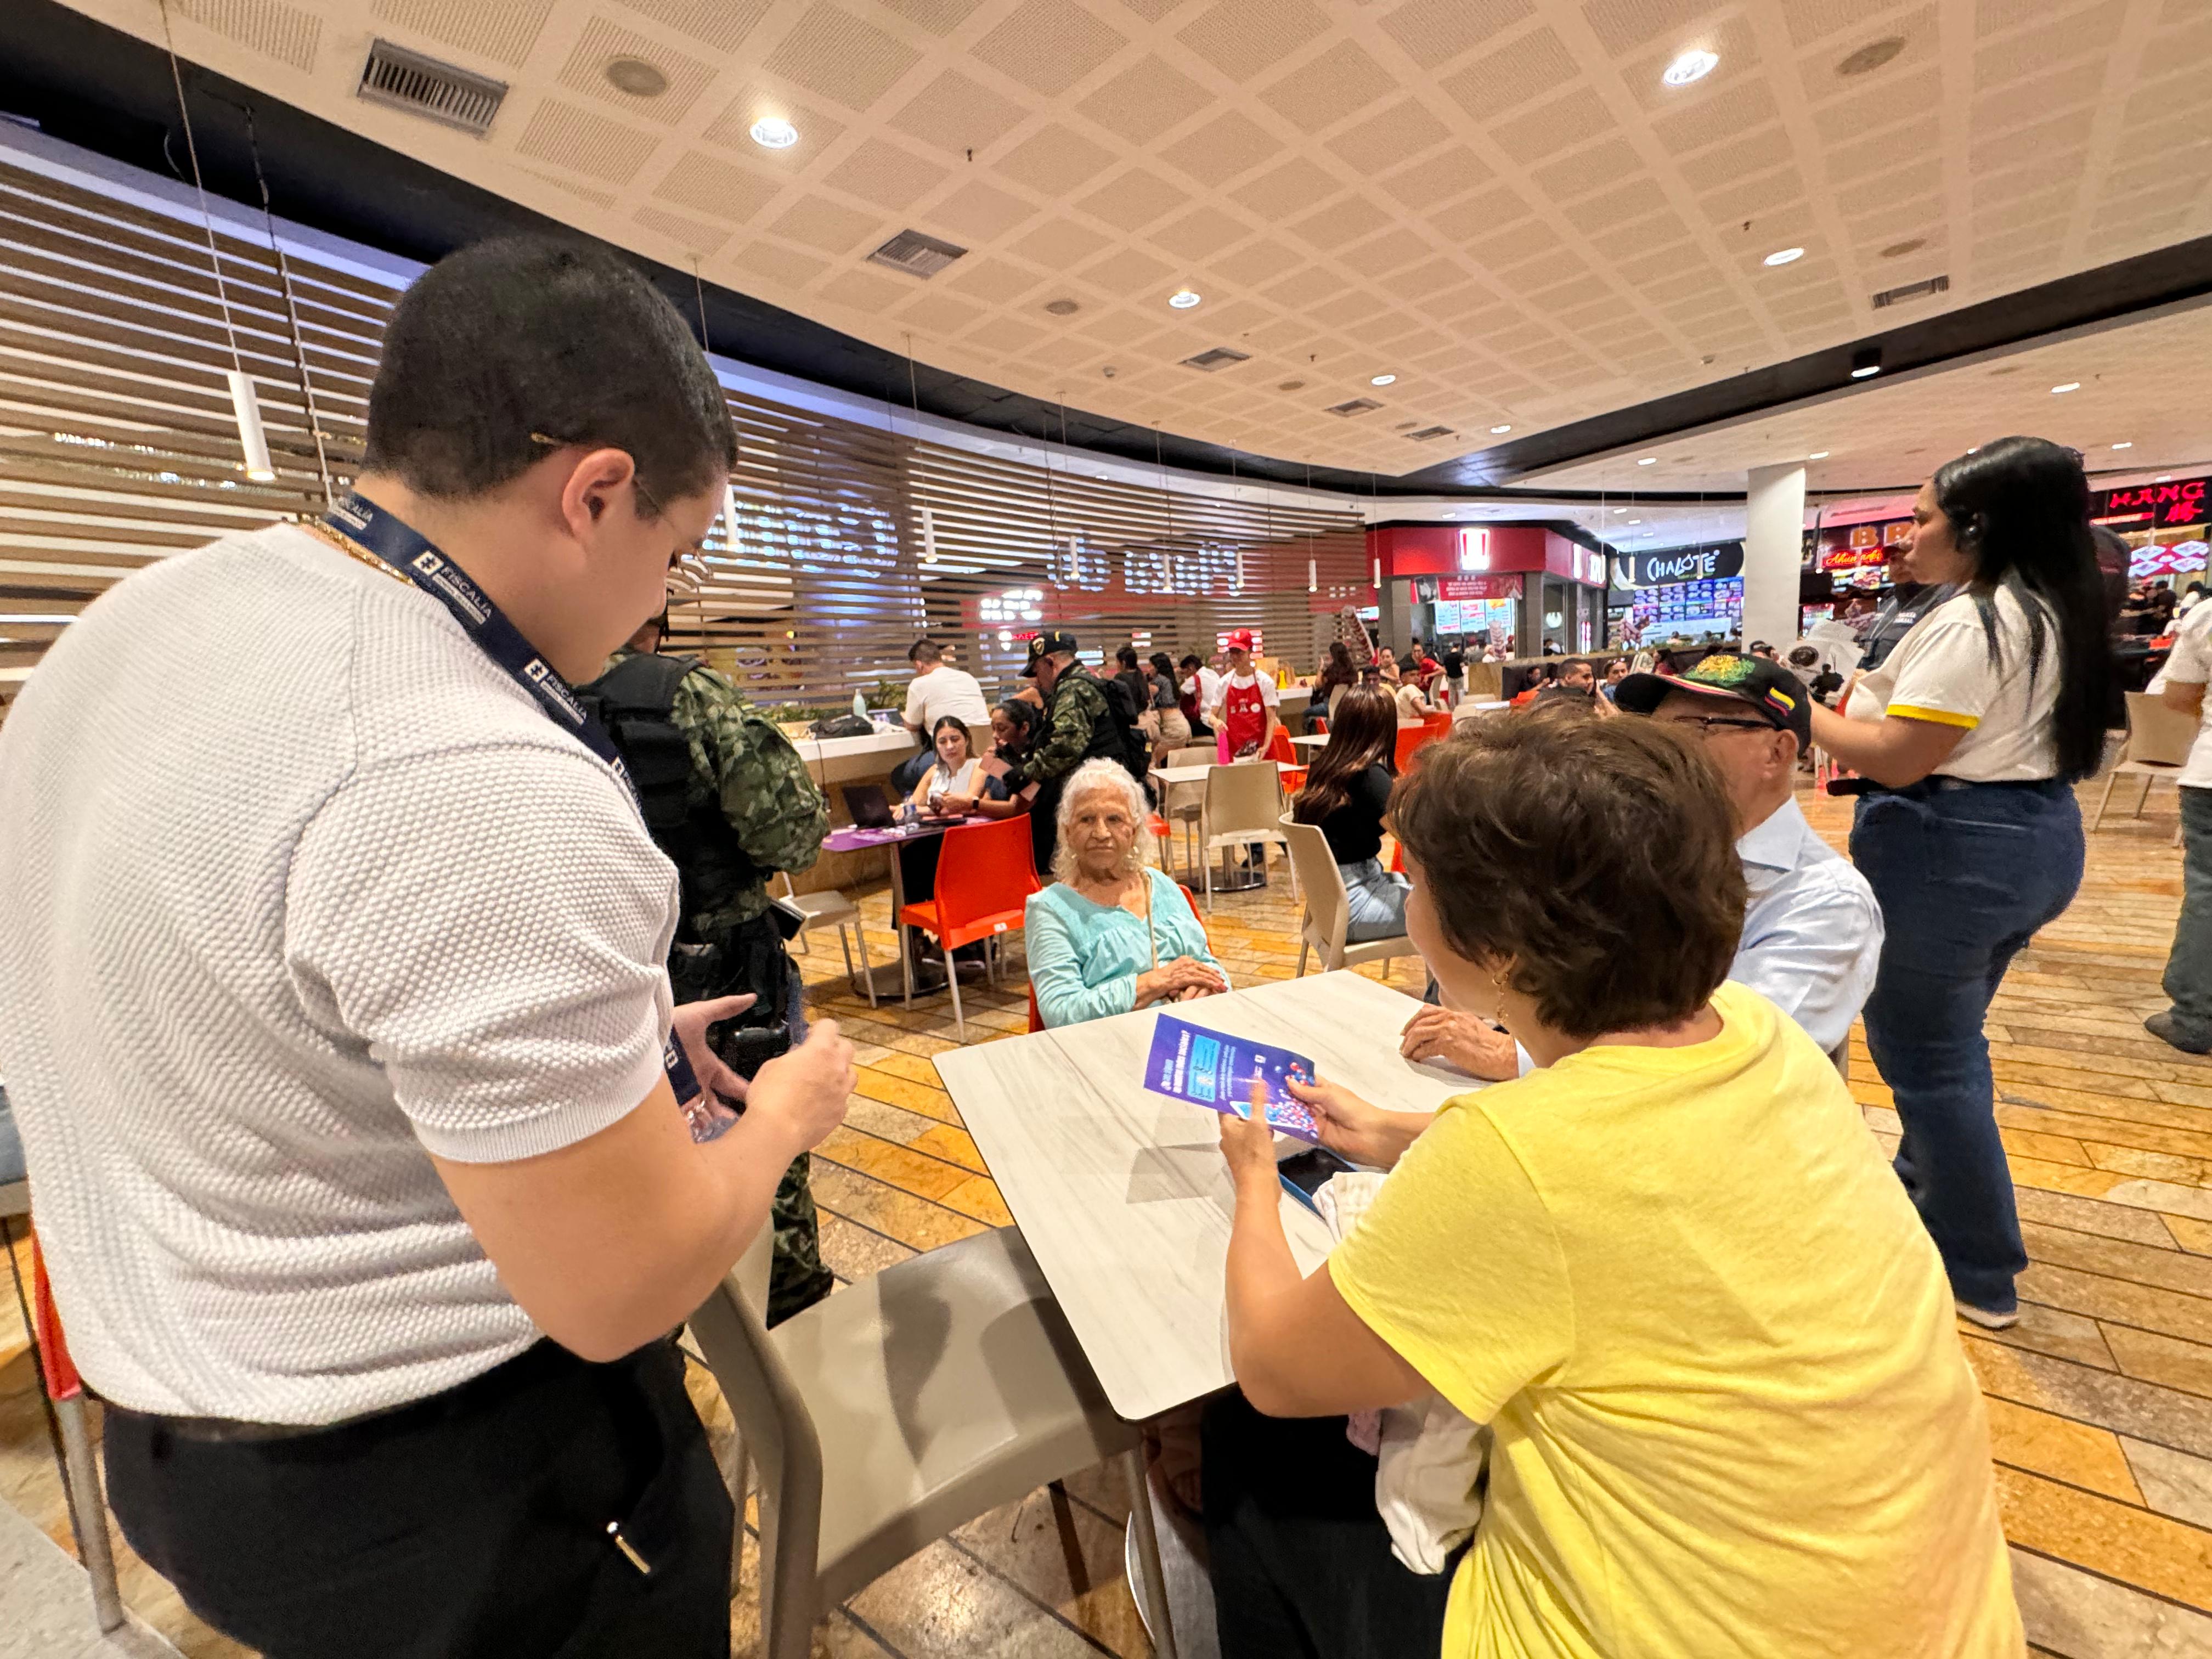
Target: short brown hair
[[1599, 856]]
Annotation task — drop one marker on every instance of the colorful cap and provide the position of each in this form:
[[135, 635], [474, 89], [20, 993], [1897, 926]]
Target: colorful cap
[[1765, 685], [1239, 638]]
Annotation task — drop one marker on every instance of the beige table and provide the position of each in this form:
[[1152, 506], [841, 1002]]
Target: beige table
[[1122, 1194]]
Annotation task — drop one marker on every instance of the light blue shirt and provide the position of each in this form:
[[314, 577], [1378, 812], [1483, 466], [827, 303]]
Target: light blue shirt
[[1084, 957], [1812, 931]]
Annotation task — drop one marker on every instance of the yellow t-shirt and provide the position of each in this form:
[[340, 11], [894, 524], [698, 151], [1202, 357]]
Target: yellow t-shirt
[[1716, 1345]]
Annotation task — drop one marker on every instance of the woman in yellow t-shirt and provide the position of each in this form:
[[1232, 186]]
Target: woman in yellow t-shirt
[[1669, 1268]]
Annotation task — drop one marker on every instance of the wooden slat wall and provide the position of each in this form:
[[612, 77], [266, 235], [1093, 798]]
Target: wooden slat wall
[[118, 446]]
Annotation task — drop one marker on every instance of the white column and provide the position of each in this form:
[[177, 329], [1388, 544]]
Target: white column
[[1773, 553]]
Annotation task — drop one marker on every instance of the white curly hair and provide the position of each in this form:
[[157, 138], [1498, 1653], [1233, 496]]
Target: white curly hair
[[1090, 778]]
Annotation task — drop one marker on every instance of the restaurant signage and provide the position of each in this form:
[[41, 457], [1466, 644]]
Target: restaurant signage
[[1473, 549], [1428, 590], [1665, 566], [2151, 506]]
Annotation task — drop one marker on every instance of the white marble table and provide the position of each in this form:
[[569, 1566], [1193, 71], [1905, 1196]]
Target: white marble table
[[1313, 740], [1122, 1194]]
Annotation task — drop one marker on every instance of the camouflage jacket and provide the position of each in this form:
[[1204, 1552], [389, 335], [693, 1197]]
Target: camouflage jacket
[[745, 765], [1078, 727]]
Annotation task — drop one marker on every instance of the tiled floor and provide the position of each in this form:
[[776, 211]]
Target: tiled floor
[[2101, 1401]]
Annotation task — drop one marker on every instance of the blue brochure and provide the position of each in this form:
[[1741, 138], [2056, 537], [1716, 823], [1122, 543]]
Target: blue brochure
[[1216, 1071]]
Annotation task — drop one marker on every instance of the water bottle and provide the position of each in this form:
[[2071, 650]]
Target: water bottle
[[860, 705]]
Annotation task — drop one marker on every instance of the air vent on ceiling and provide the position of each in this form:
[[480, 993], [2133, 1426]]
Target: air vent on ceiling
[[400, 79], [1292, 386], [1897, 296], [916, 254], [1219, 357], [1429, 432], [1352, 406]]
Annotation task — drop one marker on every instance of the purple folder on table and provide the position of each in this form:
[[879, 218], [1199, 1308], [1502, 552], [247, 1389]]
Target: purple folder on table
[[1216, 1071]]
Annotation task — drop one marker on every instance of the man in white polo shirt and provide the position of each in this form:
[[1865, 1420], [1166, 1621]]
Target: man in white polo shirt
[[936, 690], [332, 1008]]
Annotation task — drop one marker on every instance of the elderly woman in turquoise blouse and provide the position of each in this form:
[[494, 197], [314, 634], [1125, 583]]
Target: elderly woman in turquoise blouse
[[1111, 934]]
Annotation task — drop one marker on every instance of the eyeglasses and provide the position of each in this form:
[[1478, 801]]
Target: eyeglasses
[[651, 502], [1709, 724]]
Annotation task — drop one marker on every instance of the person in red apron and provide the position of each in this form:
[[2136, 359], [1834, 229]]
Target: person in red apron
[[1245, 718]]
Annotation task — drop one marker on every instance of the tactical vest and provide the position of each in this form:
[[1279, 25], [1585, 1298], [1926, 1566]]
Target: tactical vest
[[635, 702]]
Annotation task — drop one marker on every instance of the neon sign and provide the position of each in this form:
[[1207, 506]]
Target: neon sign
[[1473, 549]]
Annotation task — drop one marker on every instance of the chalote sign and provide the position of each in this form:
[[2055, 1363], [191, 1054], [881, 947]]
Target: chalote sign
[[1663, 565]]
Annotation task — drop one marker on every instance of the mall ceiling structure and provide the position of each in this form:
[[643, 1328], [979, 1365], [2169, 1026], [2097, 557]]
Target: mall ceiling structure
[[1448, 243]]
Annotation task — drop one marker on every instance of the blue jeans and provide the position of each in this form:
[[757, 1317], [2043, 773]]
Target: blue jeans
[[2188, 967], [1965, 875], [1377, 901]]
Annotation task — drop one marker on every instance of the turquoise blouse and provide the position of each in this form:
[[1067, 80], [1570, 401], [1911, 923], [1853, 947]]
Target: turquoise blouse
[[1084, 957]]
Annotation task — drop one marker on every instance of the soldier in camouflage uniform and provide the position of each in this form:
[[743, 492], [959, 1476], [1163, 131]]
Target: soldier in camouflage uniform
[[1078, 727], [754, 811]]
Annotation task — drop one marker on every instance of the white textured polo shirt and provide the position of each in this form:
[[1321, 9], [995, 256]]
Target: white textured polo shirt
[[300, 887]]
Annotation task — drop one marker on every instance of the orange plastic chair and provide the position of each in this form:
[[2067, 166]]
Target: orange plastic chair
[[1411, 740], [1036, 1019], [1280, 749], [984, 877]]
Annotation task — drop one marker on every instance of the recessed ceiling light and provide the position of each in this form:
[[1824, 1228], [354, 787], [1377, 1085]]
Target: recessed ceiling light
[[1620, 509], [1184, 299], [1636, 521], [774, 132], [1695, 64], [2069, 385], [2129, 444], [1383, 379], [1817, 455], [2162, 478], [1866, 361], [1501, 428], [636, 78], [1784, 256], [1649, 461], [1062, 307]]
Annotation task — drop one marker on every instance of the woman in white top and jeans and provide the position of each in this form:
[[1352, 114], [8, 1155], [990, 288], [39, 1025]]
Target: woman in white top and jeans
[[1975, 729]]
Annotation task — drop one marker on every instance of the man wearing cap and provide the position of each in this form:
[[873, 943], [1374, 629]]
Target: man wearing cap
[[1079, 725], [1243, 712], [1812, 932]]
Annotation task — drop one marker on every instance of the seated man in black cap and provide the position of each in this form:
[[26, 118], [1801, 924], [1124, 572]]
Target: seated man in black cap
[[1078, 724], [1812, 931]]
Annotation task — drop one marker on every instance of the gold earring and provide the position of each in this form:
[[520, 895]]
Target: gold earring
[[1498, 984]]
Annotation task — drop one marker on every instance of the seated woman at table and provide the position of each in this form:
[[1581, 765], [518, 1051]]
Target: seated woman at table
[[1013, 729], [1669, 1268], [1347, 788], [1111, 934], [950, 787], [1174, 725]]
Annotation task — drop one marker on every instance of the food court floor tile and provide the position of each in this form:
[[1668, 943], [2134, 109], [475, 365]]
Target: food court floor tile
[[2100, 1399]]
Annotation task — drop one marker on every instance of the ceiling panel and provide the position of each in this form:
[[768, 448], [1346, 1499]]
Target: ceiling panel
[[1510, 177]]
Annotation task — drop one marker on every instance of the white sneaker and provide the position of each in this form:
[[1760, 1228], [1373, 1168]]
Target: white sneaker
[[1989, 1319]]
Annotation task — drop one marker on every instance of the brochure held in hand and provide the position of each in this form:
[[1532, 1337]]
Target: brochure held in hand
[[1217, 1071]]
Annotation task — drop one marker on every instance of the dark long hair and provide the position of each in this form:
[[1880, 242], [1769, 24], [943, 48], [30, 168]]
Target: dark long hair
[[1023, 718], [1364, 733], [1337, 670], [2020, 506], [957, 725]]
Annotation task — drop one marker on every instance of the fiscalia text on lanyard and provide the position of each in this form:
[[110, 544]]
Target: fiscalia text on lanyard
[[410, 553]]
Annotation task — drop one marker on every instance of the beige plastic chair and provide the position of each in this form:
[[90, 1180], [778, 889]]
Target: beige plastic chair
[[831, 908], [1243, 806], [901, 1408], [2159, 741], [1327, 910], [1185, 803]]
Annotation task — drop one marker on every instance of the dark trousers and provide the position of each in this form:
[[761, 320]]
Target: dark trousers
[[1965, 877], [1301, 1561], [1044, 826], [2189, 967], [471, 1524]]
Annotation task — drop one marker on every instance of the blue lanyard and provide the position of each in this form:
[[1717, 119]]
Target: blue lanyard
[[409, 553]]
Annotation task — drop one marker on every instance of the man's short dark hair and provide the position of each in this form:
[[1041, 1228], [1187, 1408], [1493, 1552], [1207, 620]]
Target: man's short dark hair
[[925, 651], [507, 344], [1191, 661], [1569, 845]]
